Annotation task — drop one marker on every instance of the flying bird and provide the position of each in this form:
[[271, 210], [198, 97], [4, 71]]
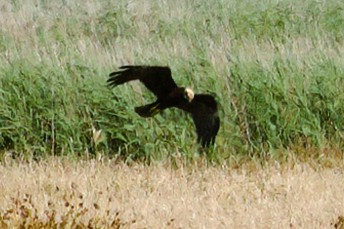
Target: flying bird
[[202, 107]]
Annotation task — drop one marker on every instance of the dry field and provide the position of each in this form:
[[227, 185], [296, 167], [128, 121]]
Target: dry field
[[105, 194]]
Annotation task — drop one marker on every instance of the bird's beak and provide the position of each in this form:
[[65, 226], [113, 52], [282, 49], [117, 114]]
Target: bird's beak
[[189, 94]]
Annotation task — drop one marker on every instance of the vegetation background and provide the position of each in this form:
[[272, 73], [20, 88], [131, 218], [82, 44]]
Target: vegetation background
[[275, 67]]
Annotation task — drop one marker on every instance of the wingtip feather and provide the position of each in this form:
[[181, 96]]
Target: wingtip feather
[[113, 74], [125, 67], [113, 81]]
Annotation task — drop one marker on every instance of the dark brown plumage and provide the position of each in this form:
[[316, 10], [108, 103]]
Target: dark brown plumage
[[202, 107]]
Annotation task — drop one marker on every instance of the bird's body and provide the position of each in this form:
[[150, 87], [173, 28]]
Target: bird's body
[[202, 107]]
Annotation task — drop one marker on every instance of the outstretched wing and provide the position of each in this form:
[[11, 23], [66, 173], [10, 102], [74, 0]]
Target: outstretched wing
[[207, 127], [157, 79], [203, 110]]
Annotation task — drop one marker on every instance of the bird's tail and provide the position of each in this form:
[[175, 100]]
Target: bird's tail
[[148, 110]]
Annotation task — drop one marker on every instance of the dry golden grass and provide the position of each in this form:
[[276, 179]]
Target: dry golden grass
[[107, 194]]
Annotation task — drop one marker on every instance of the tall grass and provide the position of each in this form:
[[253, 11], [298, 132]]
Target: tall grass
[[276, 68]]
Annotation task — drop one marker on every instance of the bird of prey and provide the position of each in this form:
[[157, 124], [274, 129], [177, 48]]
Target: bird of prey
[[202, 107]]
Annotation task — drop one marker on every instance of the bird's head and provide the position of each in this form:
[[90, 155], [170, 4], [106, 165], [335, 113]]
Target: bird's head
[[189, 94]]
